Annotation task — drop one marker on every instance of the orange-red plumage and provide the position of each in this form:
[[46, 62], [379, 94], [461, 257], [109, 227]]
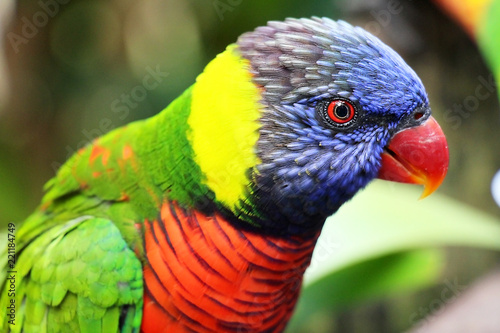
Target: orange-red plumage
[[206, 275]]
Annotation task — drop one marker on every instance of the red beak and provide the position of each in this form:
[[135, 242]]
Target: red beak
[[417, 155]]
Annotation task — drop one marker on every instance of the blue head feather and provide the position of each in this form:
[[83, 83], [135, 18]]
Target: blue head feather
[[309, 169]]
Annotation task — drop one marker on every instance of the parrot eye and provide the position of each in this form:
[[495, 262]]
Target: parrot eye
[[338, 112]]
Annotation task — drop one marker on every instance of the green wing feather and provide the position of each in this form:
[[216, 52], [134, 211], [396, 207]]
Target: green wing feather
[[80, 253], [80, 276]]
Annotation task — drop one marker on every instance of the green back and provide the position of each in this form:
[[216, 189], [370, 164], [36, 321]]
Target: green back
[[80, 254]]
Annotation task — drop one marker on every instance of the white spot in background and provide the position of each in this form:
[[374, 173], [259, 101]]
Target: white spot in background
[[495, 187]]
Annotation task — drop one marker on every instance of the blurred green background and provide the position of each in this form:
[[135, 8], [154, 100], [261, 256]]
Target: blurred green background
[[75, 70]]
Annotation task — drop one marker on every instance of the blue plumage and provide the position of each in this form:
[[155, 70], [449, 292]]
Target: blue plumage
[[311, 167]]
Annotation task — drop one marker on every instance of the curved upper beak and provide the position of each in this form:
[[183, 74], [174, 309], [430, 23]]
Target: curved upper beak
[[417, 155]]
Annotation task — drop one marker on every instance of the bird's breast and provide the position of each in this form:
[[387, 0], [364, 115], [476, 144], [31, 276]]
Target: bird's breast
[[204, 275]]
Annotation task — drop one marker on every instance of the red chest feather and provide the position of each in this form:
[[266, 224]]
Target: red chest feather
[[206, 276]]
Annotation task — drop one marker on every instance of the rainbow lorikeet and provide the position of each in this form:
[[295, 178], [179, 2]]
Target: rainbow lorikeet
[[204, 217]]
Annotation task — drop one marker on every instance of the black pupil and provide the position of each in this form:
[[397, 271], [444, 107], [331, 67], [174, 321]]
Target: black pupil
[[342, 111]]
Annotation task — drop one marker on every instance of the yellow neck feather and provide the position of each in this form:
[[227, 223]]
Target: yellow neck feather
[[224, 121]]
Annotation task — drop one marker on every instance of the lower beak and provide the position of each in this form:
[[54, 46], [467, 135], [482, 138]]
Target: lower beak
[[417, 155]]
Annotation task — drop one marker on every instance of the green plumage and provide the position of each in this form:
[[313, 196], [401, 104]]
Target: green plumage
[[78, 275], [80, 253]]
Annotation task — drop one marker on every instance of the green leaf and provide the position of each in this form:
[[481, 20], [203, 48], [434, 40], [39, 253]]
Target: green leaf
[[388, 275], [488, 37], [388, 217], [379, 244]]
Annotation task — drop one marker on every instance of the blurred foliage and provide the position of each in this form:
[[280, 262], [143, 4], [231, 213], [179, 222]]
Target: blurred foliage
[[469, 13], [78, 72], [392, 274], [355, 261], [489, 37]]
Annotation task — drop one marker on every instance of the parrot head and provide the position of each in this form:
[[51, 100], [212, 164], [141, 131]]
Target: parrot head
[[336, 109]]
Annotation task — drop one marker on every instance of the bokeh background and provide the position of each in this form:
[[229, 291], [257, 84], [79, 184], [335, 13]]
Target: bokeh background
[[73, 70]]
